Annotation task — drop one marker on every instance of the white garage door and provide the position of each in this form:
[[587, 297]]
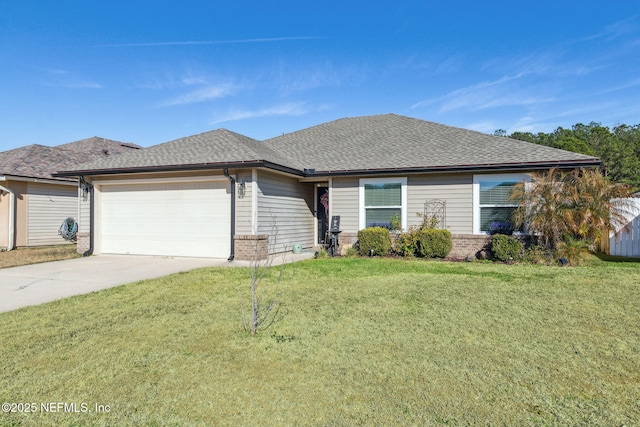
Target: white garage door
[[175, 219]]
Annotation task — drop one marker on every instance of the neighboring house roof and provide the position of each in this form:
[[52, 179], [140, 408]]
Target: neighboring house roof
[[370, 144], [40, 161], [97, 147]]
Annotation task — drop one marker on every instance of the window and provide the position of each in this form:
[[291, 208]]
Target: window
[[492, 207], [380, 200]]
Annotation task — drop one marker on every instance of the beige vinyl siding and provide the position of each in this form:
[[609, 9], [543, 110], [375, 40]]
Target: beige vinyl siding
[[244, 212], [286, 205], [456, 190], [47, 207], [84, 212], [344, 202]]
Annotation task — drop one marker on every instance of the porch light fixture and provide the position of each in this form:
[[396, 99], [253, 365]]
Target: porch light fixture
[[241, 188], [85, 192]]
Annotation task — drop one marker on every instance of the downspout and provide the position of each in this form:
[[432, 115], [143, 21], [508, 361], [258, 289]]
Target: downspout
[[233, 212], [12, 216], [85, 185]]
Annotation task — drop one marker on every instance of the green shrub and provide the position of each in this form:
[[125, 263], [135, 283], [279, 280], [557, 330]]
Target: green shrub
[[395, 222], [506, 248], [537, 255], [374, 240], [433, 243], [351, 252], [573, 250], [322, 253], [406, 243]]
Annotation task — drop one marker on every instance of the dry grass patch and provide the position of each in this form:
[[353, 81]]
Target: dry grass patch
[[363, 342], [24, 256]]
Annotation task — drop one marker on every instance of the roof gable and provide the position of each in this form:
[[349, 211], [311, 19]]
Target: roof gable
[[205, 149]]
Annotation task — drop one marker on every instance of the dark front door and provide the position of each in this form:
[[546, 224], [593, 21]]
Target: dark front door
[[323, 213]]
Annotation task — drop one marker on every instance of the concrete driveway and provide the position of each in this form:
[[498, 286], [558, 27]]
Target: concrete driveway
[[40, 283]]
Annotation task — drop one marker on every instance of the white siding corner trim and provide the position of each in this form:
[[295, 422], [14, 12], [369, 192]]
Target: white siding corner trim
[[254, 201]]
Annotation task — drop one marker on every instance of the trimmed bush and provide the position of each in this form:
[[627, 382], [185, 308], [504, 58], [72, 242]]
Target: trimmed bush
[[406, 244], [374, 240], [433, 243], [506, 248]]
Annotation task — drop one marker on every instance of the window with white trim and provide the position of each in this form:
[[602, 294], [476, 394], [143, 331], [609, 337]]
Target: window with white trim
[[492, 207], [380, 200]]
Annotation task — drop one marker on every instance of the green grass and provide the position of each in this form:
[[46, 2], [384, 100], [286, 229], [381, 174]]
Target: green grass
[[362, 342]]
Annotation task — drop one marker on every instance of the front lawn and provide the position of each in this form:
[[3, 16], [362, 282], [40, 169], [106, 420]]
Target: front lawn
[[35, 255], [362, 342]]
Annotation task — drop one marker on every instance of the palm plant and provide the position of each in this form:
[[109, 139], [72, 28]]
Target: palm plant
[[581, 204], [598, 205], [542, 207]]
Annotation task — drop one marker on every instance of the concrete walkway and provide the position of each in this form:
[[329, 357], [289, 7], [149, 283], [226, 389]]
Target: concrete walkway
[[39, 283]]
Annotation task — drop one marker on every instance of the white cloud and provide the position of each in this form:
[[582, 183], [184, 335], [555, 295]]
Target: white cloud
[[74, 83], [617, 29], [57, 77], [489, 94], [287, 109], [203, 94], [210, 42]]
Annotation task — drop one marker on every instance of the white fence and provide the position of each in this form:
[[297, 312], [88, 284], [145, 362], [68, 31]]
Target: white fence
[[626, 241]]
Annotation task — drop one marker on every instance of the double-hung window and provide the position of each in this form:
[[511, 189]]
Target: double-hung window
[[492, 207], [380, 200]]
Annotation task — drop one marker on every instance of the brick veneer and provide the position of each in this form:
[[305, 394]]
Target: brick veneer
[[347, 238], [465, 245], [83, 241], [251, 247]]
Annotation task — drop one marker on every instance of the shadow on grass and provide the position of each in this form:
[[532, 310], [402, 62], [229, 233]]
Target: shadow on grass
[[611, 258]]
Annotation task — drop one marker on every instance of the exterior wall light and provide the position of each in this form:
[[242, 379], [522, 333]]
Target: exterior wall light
[[241, 188]]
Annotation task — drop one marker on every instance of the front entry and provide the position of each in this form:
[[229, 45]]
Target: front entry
[[322, 213]]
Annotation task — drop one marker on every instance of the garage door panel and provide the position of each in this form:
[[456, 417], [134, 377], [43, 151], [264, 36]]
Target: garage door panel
[[186, 219]]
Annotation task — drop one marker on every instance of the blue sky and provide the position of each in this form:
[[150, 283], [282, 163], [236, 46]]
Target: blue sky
[[150, 72]]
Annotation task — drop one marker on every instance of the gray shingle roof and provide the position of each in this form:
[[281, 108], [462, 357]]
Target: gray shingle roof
[[370, 143], [99, 147], [214, 147], [40, 161], [397, 142]]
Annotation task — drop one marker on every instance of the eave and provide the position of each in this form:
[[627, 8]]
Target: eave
[[184, 167], [521, 166], [311, 173]]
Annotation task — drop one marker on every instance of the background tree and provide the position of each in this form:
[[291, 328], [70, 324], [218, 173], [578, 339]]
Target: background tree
[[618, 148]]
